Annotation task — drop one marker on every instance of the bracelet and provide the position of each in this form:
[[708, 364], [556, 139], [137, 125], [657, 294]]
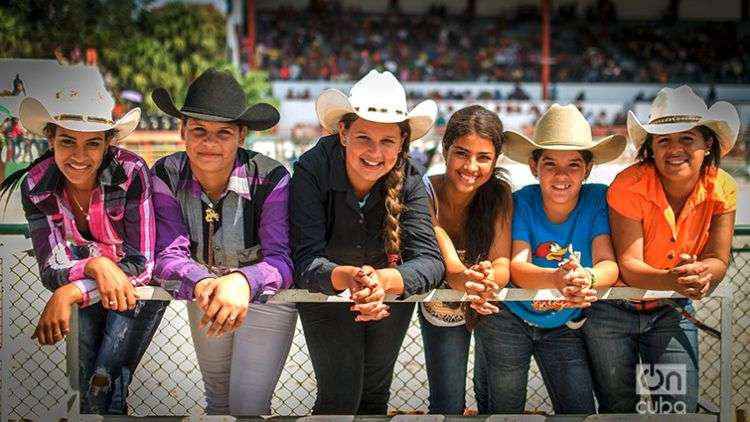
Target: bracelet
[[593, 276]]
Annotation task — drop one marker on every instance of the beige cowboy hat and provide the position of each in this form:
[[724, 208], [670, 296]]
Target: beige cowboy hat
[[378, 97], [81, 103], [680, 109], [562, 128]]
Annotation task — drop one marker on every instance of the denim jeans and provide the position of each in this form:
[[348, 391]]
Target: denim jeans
[[111, 344], [353, 361], [505, 345], [619, 338], [446, 353]]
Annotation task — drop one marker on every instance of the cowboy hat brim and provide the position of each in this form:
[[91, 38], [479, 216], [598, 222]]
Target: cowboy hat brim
[[333, 104], [518, 147], [34, 116], [722, 118], [260, 116]]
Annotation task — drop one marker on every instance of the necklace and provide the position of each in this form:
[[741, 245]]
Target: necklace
[[78, 204]]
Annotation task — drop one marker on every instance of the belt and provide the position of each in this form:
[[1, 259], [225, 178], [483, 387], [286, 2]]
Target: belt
[[641, 306], [648, 305], [677, 305]]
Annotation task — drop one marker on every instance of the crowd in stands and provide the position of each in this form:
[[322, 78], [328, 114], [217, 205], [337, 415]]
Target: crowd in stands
[[15, 142], [329, 43]]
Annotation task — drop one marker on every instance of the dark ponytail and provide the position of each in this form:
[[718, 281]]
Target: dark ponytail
[[12, 182], [493, 198]]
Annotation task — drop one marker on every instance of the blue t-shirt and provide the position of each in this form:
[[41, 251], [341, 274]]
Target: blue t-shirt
[[551, 243]]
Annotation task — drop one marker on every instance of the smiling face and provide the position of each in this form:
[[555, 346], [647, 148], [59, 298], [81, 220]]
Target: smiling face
[[561, 175], [211, 146], [678, 157], [372, 150], [79, 155], [470, 162]]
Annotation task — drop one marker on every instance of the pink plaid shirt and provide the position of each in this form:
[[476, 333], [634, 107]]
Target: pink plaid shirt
[[121, 223]]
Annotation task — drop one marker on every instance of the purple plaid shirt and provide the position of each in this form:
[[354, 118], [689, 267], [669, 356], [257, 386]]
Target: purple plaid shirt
[[251, 235], [121, 223]]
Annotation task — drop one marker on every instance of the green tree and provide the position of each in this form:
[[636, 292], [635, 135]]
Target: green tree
[[255, 83], [138, 46]]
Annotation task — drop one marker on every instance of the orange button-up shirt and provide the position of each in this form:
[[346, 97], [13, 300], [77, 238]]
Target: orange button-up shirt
[[637, 193]]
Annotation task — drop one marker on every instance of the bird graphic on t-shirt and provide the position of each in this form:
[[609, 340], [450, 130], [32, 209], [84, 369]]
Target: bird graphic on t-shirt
[[552, 251]]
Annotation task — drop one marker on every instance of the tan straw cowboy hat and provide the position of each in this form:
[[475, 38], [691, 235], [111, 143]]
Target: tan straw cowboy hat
[[378, 97], [680, 109], [562, 128]]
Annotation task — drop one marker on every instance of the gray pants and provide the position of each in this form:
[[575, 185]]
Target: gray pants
[[240, 370]]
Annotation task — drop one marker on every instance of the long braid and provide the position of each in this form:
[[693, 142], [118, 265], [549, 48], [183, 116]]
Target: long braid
[[394, 184]]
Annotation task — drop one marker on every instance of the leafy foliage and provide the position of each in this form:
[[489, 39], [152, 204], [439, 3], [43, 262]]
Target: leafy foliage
[[138, 47]]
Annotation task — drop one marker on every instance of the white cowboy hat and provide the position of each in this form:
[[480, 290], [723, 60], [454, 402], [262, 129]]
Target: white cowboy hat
[[678, 110], [81, 103], [378, 97], [562, 128]]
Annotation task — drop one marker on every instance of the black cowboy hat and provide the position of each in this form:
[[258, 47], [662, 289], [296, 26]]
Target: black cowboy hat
[[217, 96]]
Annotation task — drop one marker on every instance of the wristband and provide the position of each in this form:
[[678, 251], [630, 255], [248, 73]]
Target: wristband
[[593, 276]]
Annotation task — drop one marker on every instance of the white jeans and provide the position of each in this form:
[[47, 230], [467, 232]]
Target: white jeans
[[240, 370]]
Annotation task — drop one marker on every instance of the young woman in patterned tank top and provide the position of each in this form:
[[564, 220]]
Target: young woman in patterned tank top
[[471, 211]]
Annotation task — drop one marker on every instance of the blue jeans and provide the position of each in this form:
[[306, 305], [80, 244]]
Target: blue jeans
[[111, 344], [446, 353], [618, 337], [505, 344]]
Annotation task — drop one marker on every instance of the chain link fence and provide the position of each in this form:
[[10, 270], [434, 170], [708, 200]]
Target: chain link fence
[[168, 381]]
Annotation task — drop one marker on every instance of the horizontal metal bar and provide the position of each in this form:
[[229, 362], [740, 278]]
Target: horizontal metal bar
[[742, 230], [14, 229], [450, 295], [23, 229]]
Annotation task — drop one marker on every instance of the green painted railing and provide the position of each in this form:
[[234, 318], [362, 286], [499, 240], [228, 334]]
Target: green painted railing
[[15, 228], [742, 230]]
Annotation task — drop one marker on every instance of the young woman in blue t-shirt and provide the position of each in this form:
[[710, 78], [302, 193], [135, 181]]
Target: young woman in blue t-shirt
[[560, 240]]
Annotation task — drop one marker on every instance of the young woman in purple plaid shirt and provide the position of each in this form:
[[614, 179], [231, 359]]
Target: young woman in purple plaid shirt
[[88, 204]]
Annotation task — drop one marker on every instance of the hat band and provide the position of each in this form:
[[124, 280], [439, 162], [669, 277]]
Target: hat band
[[381, 110], [675, 119], [82, 118]]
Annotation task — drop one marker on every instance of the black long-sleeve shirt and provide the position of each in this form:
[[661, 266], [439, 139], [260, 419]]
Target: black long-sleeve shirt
[[329, 229]]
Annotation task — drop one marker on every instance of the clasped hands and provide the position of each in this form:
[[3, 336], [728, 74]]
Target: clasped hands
[[224, 301], [692, 278], [575, 283], [481, 288], [368, 294]]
